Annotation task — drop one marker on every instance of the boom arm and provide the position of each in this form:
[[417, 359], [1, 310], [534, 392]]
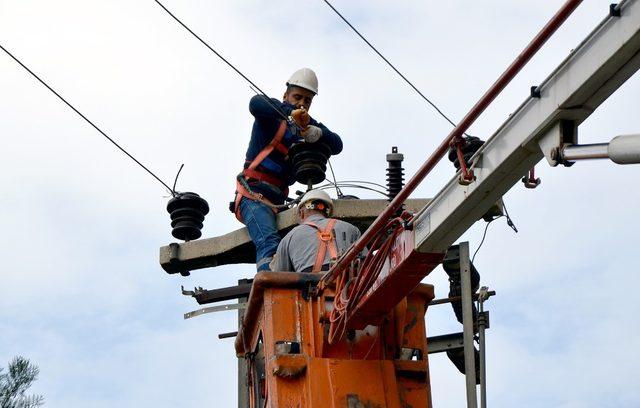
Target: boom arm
[[593, 71], [590, 74]]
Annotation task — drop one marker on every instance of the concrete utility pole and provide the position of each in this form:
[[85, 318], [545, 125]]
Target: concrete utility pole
[[544, 126]]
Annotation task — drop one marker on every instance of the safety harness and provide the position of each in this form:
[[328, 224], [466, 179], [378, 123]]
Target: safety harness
[[251, 172], [326, 240]]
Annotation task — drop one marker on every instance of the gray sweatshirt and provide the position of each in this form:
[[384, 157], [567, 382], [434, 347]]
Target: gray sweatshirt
[[298, 249]]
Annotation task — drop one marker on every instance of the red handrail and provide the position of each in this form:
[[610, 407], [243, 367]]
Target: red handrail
[[554, 23]]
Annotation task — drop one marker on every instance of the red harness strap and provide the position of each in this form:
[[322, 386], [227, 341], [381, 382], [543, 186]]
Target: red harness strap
[[275, 144], [243, 192], [251, 172], [326, 239], [264, 177]]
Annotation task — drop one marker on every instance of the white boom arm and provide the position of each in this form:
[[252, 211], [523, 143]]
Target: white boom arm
[[544, 125]]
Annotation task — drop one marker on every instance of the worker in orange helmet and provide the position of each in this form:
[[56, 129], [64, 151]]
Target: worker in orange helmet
[[263, 184], [318, 240]]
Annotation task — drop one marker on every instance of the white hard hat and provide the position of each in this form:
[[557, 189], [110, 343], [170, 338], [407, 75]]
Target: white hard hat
[[304, 78], [316, 195]]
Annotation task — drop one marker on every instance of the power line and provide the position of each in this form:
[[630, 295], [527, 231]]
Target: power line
[[484, 235], [335, 183], [88, 121], [275, 108], [177, 175], [347, 185], [391, 65], [363, 182], [262, 93]]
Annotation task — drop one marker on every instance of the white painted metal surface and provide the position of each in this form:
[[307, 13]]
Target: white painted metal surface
[[625, 149], [591, 73]]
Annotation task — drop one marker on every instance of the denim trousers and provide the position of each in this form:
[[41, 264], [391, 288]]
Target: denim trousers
[[261, 224]]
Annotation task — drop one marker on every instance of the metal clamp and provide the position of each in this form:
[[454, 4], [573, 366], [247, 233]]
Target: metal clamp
[[193, 293], [530, 181]]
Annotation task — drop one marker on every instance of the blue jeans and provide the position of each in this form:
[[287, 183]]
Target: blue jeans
[[261, 224]]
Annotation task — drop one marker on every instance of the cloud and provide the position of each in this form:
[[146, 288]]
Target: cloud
[[82, 293]]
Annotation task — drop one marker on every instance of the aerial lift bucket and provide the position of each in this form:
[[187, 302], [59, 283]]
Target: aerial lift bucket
[[290, 363]]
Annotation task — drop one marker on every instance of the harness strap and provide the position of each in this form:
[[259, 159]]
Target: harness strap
[[264, 177], [326, 240], [243, 192], [276, 143], [251, 173]]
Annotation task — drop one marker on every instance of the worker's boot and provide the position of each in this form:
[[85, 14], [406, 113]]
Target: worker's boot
[[457, 358]]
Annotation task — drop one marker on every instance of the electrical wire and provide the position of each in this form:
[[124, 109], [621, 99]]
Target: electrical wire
[[509, 221], [89, 121], [331, 185], [259, 91], [433, 105], [177, 175], [335, 183], [350, 290], [484, 235], [363, 182], [262, 93], [355, 184], [278, 111], [364, 188]]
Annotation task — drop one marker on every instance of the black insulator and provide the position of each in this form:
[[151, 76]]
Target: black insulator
[[395, 173], [469, 147], [309, 162], [187, 211]]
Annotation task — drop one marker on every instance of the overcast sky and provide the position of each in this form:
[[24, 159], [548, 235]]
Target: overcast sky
[[81, 291]]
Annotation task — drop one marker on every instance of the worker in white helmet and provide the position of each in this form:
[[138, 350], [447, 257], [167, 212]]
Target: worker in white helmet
[[264, 182], [318, 241]]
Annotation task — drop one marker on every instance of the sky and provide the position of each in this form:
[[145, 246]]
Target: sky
[[82, 294]]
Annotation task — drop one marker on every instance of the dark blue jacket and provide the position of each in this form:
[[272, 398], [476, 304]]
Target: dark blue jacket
[[265, 126]]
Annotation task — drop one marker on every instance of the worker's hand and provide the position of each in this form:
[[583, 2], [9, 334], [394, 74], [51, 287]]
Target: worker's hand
[[469, 148], [301, 117], [311, 134]]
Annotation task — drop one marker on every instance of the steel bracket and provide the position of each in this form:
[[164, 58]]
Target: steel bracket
[[561, 134]]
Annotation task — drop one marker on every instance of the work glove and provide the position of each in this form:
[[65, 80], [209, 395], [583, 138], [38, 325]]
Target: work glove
[[301, 117], [311, 134], [470, 146]]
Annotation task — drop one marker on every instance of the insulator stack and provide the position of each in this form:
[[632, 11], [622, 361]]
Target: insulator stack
[[187, 211], [395, 173], [309, 162]]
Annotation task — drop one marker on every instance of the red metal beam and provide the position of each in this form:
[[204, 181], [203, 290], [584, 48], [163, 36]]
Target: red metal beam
[[524, 57], [404, 271]]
